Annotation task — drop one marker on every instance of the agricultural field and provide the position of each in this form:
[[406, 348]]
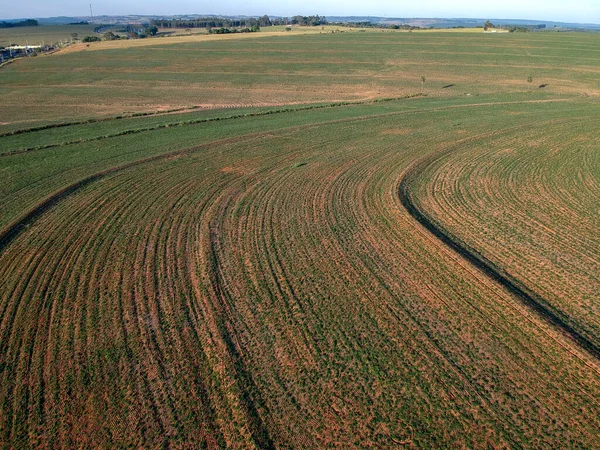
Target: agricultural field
[[47, 34], [268, 69], [522, 195], [293, 241]]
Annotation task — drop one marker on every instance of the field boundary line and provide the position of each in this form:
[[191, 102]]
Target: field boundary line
[[288, 109], [236, 116], [197, 122], [10, 61], [196, 108]]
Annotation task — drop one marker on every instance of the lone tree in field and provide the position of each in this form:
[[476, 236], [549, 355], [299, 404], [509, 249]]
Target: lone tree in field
[[151, 30], [488, 25], [423, 82], [529, 79]]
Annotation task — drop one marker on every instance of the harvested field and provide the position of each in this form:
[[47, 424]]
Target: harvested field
[[306, 275]]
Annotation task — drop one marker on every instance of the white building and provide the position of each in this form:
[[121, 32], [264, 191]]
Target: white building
[[24, 47]]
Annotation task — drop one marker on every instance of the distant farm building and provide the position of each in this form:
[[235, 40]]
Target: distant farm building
[[23, 47]]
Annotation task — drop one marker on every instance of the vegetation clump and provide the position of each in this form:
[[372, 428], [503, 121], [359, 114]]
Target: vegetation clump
[[22, 23], [223, 30]]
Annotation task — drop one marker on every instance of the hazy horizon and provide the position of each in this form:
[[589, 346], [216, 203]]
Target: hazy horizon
[[580, 11]]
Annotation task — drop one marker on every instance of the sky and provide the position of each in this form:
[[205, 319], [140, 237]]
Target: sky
[[582, 11]]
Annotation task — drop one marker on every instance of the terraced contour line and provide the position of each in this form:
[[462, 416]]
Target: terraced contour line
[[528, 297]]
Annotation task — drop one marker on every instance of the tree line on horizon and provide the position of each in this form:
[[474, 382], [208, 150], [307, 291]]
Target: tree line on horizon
[[217, 22], [22, 23]]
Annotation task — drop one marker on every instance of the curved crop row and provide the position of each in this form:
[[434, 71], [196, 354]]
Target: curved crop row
[[529, 204], [270, 290], [533, 300]]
